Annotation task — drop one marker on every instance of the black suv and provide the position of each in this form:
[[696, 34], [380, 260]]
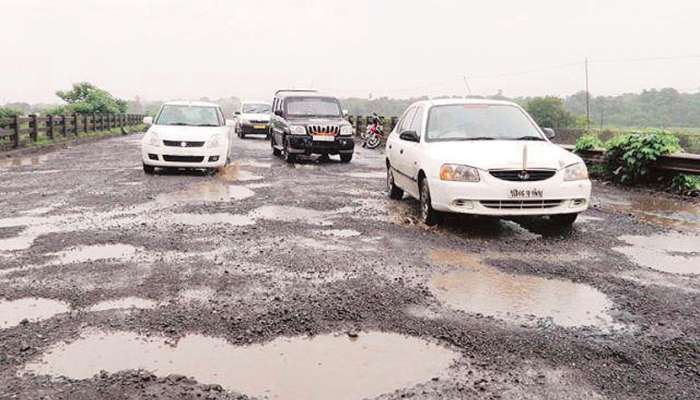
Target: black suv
[[305, 122]]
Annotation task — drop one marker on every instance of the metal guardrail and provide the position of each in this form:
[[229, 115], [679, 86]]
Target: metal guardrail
[[685, 163]]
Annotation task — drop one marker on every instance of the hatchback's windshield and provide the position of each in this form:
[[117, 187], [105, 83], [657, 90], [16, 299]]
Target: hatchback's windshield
[[312, 106], [255, 108], [188, 116], [479, 122]]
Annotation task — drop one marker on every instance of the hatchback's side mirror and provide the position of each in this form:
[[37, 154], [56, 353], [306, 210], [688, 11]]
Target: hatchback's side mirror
[[409, 136], [148, 121], [279, 113], [549, 132], [237, 113]]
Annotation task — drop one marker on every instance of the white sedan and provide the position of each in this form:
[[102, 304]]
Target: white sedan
[[186, 135], [483, 157]]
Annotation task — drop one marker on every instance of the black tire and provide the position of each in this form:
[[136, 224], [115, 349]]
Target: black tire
[[394, 191], [563, 220], [428, 215], [275, 151], [345, 157], [373, 141], [288, 157], [149, 169]]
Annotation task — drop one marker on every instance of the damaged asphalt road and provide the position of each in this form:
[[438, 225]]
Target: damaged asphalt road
[[305, 281]]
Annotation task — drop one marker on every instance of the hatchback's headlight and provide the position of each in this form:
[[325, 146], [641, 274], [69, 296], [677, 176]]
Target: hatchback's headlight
[[346, 130], [153, 138], [576, 172], [297, 130], [215, 141], [461, 173]]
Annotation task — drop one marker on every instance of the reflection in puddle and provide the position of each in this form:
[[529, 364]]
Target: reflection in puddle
[[291, 214], [674, 253], [95, 253], [322, 367], [33, 309], [479, 288], [124, 303], [658, 209]]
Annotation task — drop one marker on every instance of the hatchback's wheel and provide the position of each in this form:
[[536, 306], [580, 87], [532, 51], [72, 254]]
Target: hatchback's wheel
[[563, 219], [427, 214], [395, 192], [346, 157], [149, 169]]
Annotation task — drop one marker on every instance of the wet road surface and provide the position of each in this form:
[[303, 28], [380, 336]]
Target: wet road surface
[[305, 281]]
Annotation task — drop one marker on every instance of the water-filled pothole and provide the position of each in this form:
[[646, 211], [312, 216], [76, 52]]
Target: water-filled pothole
[[322, 367], [124, 303], [205, 192], [212, 219], [33, 309], [479, 288], [660, 210], [82, 254], [291, 214], [674, 253]]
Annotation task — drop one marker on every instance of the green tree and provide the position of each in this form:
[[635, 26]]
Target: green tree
[[86, 98], [549, 112], [6, 112]]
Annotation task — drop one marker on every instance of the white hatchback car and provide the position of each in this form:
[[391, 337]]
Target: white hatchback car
[[483, 157], [254, 118], [186, 135]]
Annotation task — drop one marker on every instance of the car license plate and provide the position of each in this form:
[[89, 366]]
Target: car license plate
[[526, 193], [259, 126], [321, 138]]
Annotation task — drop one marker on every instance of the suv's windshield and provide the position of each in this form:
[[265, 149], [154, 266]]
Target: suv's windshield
[[479, 122], [188, 116], [312, 106], [255, 108]]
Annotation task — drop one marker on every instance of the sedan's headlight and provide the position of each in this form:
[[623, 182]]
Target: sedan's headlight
[[461, 173], [346, 130], [576, 172], [153, 138], [214, 141], [297, 130]]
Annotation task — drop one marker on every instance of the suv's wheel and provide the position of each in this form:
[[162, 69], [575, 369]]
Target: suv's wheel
[[149, 169], [395, 192], [275, 151], [563, 219], [427, 214], [288, 157], [345, 157]]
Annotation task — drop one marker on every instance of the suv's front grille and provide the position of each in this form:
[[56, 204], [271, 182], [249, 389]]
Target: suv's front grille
[[520, 204], [330, 130], [529, 175], [253, 121], [175, 143], [192, 159]]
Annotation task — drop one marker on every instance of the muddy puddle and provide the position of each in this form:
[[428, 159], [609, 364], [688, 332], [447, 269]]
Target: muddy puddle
[[292, 214], [321, 367], [648, 207], [233, 173], [33, 309], [205, 192], [211, 219], [32, 161], [672, 253], [124, 303], [478, 288], [121, 252]]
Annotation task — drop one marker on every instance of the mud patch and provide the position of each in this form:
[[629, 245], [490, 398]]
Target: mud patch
[[322, 367], [125, 303], [233, 172], [481, 289], [673, 253], [33, 309]]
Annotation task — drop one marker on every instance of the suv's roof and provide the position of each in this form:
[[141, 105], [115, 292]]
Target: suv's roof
[[190, 103], [267, 103], [444, 102], [301, 93]]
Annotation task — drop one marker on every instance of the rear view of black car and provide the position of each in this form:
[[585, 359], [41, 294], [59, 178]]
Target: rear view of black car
[[305, 122]]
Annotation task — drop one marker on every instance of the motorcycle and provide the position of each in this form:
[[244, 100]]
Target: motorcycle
[[374, 133]]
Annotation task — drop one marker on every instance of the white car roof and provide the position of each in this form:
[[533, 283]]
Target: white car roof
[[190, 103], [445, 102]]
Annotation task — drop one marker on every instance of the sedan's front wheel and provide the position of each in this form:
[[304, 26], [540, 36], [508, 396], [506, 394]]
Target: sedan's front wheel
[[395, 192], [149, 169], [427, 214], [563, 220]]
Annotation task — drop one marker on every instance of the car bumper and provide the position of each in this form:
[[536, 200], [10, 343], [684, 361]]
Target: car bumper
[[183, 157], [492, 196], [255, 129], [306, 145]]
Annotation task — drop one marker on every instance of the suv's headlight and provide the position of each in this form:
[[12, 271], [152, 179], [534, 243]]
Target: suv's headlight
[[297, 130], [153, 138], [214, 141], [576, 172], [346, 130], [462, 173]]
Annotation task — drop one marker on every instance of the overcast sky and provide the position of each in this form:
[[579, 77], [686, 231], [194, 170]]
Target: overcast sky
[[167, 49]]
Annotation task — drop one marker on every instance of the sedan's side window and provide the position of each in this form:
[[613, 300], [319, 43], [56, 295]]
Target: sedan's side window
[[406, 120], [417, 123]]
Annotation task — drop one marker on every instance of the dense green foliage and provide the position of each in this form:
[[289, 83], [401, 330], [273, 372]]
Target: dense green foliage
[[630, 156], [6, 112], [86, 98], [549, 112], [588, 142], [685, 184]]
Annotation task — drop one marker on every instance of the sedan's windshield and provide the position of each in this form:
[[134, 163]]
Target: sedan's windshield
[[255, 108], [479, 122], [188, 116], [312, 107]]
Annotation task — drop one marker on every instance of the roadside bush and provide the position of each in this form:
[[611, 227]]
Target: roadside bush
[[630, 156], [686, 184], [588, 142], [8, 112]]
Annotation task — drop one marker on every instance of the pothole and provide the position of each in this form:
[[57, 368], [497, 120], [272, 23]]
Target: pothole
[[660, 210], [479, 288], [233, 172], [291, 214], [212, 219], [341, 233], [124, 303], [82, 254], [321, 367], [33, 309], [673, 253], [206, 192]]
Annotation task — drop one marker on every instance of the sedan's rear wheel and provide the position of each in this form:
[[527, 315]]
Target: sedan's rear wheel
[[427, 214], [395, 192]]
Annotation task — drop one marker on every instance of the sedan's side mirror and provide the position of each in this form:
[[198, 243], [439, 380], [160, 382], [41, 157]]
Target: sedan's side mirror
[[279, 113], [549, 132], [148, 121], [409, 136]]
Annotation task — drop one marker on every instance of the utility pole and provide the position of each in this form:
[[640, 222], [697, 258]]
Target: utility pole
[[588, 101]]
